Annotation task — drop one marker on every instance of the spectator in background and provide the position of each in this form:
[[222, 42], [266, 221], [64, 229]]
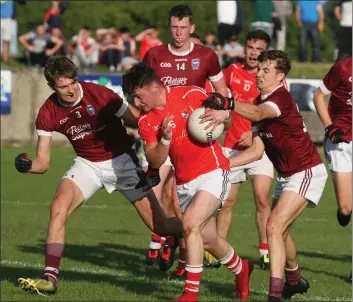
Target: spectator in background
[[343, 13], [210, 41], [230, 19], [233, 51], [129, 53], [310, 19], [284, 9], [52, 17], [57, 33], [264, 11], [148, 38], [85, 50], [111, 51], [36, 43]]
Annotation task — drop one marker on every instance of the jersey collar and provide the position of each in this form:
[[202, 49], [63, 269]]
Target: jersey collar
[[77, 101], [181, 54]]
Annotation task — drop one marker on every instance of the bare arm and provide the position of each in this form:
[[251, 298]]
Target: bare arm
[[298, 16], [254, 152], [321, 107], [337, 12], [131, 116], [24, 40], [321, 18], [255, 113], [58, 43], [41, 163], [221, 86], [142, 34]]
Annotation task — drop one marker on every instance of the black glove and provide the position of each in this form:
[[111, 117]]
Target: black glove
[[218, 102], [153, 178], [335, 134], [23, 163]]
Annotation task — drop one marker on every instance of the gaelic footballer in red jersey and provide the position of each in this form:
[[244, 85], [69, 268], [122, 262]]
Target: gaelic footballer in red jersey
[[337, 120], [201, 169], [301, 173], [90, 116]]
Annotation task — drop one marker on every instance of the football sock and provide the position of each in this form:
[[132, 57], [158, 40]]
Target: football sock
[[232, 261], [193, 277], [155, 243], [292, 275], [170, 241], [276, 287], [182, 257], [53, 253], [263, 249]]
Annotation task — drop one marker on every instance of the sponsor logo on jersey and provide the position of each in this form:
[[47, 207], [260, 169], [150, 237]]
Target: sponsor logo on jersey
[[169, 81], [195, 63], [156, 128], [184, 115], [64, 120], [236, 80], [181, 60], [90, 110], [165, 64]]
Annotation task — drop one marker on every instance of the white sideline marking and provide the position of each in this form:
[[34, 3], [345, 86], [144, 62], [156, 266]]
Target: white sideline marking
[[106, 207], [145, 278]]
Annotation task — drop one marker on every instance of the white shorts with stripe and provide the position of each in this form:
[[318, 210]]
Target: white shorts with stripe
[[309, 183], [338, 156], [215, 182], [144, 162]]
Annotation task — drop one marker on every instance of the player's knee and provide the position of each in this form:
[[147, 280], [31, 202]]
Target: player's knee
[[262, 202], [191, 226]]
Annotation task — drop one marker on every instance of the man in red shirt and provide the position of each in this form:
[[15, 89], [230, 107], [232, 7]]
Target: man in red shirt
[[201, 173], [241, 80], [301, 173], [148, 39], [179, 63], [337, 120], [90, 116]]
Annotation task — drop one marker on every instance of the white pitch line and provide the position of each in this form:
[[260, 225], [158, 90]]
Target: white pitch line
[[127, 208], [145, 278]]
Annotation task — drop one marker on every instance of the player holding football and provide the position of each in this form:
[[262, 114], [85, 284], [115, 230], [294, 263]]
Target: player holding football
[[179, 63], [301, 173], [337, 120], [201, 172], [241, 80], [90, 116]]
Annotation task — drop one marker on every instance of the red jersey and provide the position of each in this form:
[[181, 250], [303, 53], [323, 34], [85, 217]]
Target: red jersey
[[242, 84], [190, 158], [338, 83], [92, 126], [287, 142], [146, 44], [192, 67]]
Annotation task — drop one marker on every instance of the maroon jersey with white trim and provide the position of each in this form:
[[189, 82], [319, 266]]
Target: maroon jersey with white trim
[[338, 83], [184, 69], [92, 126], [287, 142]]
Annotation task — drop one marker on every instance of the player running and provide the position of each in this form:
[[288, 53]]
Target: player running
[[90, 116]]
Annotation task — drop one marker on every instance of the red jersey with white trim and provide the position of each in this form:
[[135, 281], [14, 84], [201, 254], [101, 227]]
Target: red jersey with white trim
[[92, 126], [242, 84], [338, 83], [193, 67], [190, 158], [287, 142]]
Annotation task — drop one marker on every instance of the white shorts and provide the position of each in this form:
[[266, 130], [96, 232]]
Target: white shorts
[[6, 29], [144, 162], [309, 183], [338, 156], [117, 174], [215, 182], [262, 166]]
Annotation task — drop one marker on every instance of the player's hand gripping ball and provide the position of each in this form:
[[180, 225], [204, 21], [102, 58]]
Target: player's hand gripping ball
[[198, 131]]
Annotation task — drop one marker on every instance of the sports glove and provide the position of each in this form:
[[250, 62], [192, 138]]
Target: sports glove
[[217, 101], [153, 178], [335, 134], [23, 163]]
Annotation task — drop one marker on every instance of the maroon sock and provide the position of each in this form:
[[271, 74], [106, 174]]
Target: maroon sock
[[182, 257], [53, 253], [292, 275], [171, 241], [276, 287]]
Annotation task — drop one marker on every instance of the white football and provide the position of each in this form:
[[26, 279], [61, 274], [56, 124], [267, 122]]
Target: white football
[[197, 130]]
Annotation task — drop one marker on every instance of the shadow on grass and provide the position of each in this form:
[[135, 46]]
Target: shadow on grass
[[343, 258]]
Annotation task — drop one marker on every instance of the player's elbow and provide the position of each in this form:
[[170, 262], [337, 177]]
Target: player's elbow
[[259, 150]]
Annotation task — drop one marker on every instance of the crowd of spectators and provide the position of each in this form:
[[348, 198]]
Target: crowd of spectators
[[116, 48]]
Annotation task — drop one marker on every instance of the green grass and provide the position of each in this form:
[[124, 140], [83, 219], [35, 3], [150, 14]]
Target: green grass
[[106, 244]]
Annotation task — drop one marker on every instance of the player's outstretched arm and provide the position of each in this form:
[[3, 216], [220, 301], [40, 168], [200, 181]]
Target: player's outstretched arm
[[255, 113], [321, 107], [40, 164], [221, 87]]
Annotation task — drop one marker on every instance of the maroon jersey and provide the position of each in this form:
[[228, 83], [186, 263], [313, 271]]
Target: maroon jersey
[[287, 142], [92, 126], [193, 67], [338, 83]]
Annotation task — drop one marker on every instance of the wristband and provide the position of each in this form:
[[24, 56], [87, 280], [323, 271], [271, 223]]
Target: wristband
[[165, 142]]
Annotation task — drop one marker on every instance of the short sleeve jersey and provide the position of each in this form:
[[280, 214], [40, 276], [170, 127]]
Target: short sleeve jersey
[[190, 158], [242, 85], [93, 126], [338, 84], [287, 142], [193, 67]]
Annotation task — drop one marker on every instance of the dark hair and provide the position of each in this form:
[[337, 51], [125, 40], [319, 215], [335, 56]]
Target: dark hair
[[59, 67], [180, 11], [138, 76], [259, 35], [124, 29], [281, 58]]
